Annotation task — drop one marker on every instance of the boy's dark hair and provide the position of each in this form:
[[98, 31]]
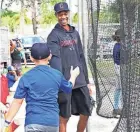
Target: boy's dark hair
[[116, 37]]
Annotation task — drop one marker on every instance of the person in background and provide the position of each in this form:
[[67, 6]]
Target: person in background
[[16, 56], [4, 92], [5, 103], [40, 87], [66, 48], [11, 76], [19, 44], [116, 58]]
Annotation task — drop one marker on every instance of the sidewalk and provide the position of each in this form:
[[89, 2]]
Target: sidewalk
[[96, 123]]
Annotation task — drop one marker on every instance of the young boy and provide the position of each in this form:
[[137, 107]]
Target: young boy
[[40, 87], [116, 58], [11, 76]]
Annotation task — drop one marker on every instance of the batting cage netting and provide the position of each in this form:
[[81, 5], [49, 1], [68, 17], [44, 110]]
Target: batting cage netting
[[100, 56], [104, 19]]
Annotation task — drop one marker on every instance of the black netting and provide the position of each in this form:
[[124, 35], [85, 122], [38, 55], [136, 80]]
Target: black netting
[[130, 66], [100, 50]]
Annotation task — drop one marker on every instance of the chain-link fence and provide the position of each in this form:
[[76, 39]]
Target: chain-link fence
[[100, 49]]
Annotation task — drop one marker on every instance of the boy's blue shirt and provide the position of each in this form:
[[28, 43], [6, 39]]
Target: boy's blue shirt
[[40, 87], [116, 53], [11, 79]]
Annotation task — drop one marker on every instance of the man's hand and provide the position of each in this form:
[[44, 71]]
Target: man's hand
[[91, 88]]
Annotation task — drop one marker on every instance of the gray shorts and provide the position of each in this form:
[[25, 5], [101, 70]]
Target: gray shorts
[[40, 128], [17, 64]]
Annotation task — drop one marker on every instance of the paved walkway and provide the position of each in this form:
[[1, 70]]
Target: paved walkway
[[96, 123]]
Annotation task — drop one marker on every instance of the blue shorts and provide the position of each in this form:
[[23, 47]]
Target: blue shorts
[[40, 128]]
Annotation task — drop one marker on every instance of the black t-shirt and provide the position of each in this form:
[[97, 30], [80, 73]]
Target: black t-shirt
[[16, 55]]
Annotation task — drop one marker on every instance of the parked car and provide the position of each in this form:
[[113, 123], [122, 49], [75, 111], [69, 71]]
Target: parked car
[[105, 47], [28, 41]]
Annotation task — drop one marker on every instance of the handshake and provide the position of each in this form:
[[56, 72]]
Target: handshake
[[74, 74]]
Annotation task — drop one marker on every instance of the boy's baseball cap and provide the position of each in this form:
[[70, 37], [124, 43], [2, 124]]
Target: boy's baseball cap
[[62, 6], [11, 68], [40, 51]]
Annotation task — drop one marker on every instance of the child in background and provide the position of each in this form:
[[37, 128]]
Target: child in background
[[11, 76], [116, 58]]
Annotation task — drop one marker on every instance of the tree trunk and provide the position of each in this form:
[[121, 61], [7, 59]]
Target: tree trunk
[[1, 4], [22, 18], [34, 22]]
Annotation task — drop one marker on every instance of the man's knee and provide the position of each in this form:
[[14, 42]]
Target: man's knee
[[63, 120], [63, 124], [84, 117]]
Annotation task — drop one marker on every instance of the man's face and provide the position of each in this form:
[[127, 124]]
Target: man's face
[[62, 17]]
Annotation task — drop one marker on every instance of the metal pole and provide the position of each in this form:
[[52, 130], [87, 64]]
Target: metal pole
[[85, 40], [79, 16], [70, 16], [84, 28]]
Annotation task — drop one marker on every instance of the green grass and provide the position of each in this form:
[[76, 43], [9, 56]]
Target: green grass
[[105, 67], [24, 70]]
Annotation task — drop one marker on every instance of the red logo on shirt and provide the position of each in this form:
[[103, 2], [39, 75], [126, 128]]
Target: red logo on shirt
[[67, 42]]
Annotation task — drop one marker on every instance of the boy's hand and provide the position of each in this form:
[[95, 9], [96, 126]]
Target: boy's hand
[[74, 72], [6, 127]]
